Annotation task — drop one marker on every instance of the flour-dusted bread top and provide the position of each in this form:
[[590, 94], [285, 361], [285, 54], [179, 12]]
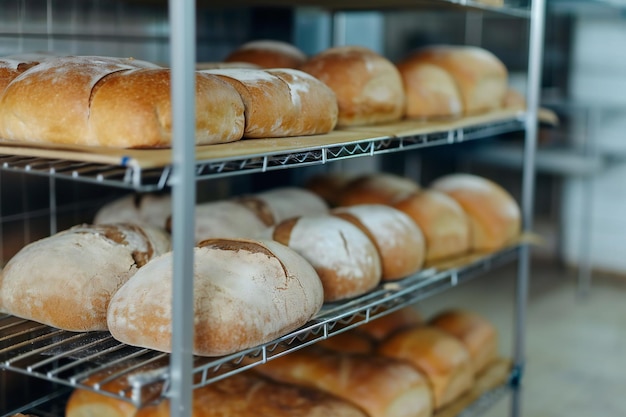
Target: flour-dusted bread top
[[495, 217], [67, 280], [150, 209], [368, 86], [287, 202], [268, 53], [226, 219], [397, 237], [344, 257], [245, 293], [11, 67]]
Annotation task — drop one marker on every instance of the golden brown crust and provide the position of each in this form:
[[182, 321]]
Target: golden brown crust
[[368, 86], [377, 188], [258, 207], [282, 231], [329, 186], [268, 54], [383, 387], [440, 356], [479, 336], [382, 328]]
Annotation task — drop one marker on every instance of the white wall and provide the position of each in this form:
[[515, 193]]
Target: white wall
[[598, 84]]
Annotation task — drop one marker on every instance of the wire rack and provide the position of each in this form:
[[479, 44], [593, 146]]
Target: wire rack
[[141, 375], [155, 179]]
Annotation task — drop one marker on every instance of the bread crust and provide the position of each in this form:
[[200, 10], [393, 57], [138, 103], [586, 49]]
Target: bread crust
[[268, 53]]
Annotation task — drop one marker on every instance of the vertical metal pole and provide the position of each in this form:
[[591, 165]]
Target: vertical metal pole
[[535, 55], [182, 60], [52, 191]]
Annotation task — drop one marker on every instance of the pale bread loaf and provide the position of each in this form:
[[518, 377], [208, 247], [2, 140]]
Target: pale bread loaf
[[344, 257], [383, 387], [150, 209], [268, 53], [226, 219], [440, 356], [242, 395], [445, 225], [494, 216], [246, 293], [398, 239], [368, 86], [282, 203], [67, 280], [478, 334]]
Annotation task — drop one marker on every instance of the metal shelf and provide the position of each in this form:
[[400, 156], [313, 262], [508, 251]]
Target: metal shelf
[[141, 375], [139, 178]]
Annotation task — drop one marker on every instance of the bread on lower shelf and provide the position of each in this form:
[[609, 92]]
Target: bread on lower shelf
[[150, 209], [241, 395], [376, 188], [383, 387], [67, 280], [384, 327], [245, 293], [440, 356], [268, 53]]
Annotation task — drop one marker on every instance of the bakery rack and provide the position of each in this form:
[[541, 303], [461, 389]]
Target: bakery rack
[[66, 360]]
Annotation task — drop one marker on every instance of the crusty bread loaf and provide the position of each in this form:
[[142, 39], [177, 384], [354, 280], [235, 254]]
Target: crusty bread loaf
[[368, 87], [478, 334], [242, 395], [150, 209], [111, 102], [246, 293], [377, 188], [383, 327], [329, 186], [11, 67], [398, 239], [383, 387], [480, 76], [67, 280], [282, 102], [445, 225], [513, 99], [278, 204], [226, 219], [430, 90], [344, 257], [201, 66], [494, 215], [440, 356], [268, 53], [349, 341]]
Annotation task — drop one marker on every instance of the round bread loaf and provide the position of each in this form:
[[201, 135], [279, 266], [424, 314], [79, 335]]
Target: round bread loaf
[[377, 188], [480, 76], [398, 239], [149, 209], [67, 280], [382, 386], [282, 102], [245, 293], [344, 257], [329, 186], [278, 204], [226, 219], [445, 225], [440, 356], [494, 215], [201, 66], [11, 67], [513, 99], [383, 327], [241, 395], [349, 342], [368, 86], [479, 336], [268, 53], [430, 90]]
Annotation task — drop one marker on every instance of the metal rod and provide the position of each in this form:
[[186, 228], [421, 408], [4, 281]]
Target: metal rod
[[182, 60], [535, 54]]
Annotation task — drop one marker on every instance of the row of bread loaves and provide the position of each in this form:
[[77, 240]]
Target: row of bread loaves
[[125, 103]]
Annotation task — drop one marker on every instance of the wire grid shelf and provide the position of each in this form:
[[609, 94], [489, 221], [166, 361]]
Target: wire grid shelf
[[96, 361]]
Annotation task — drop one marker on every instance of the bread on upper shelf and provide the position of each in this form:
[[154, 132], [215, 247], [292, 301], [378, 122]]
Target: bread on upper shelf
[[246, 293], [268, 53], [67, 280], [368, 86]]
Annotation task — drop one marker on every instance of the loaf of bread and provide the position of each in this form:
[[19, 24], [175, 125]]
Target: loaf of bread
[[242, 395], [479, 336], [368, 86], [246, 293], [481, 78], [344, 257], [111, 102], [494, 215], [383, 327], [225, 219], [513, 99], [278, 204], [329, 186], [11, 67], [377, 188], [440, 356], [268, 53], [201, 66], [398, 239], [349, 342], [383, 387], [67, 280], [282, 102], [430, 90], [150, 209], [445, 225]]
